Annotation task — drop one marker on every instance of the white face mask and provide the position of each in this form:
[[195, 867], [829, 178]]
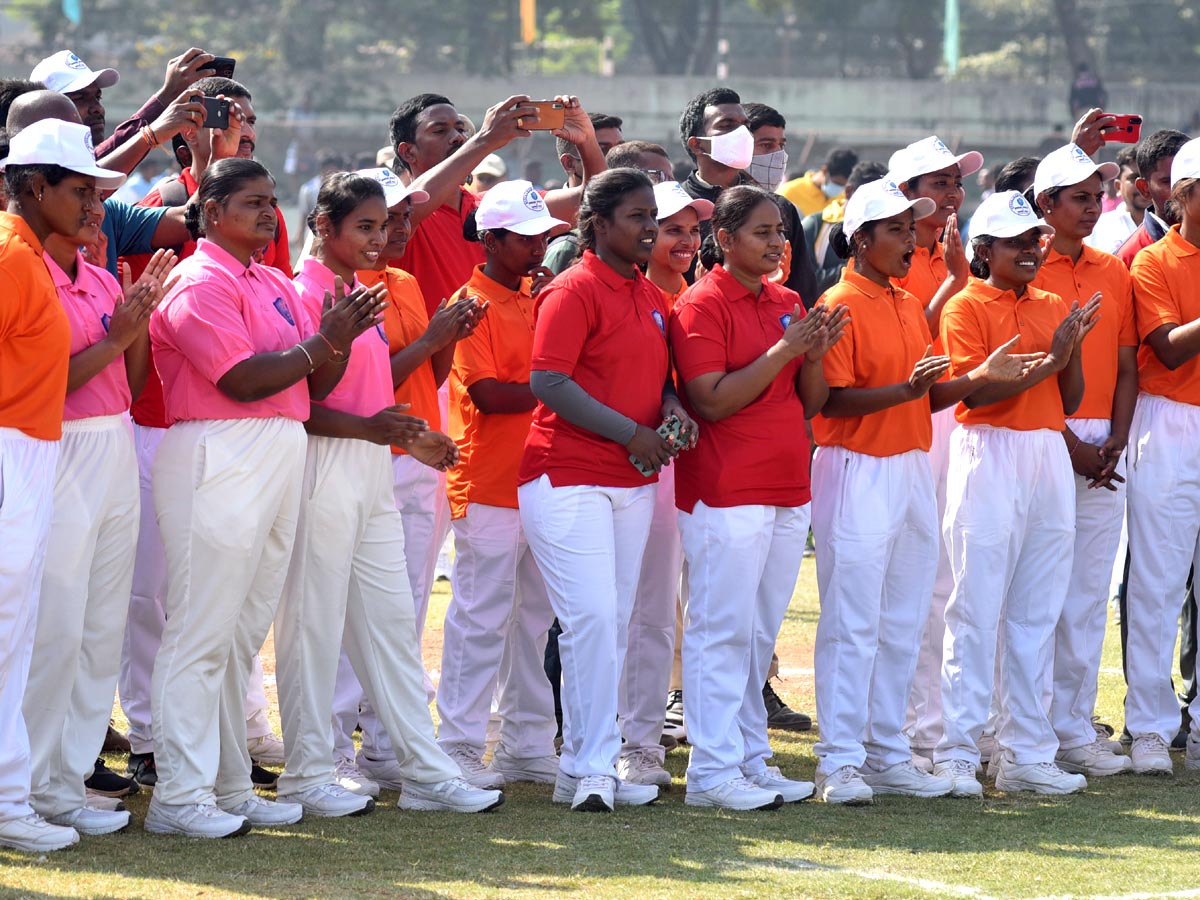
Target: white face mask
[[832, 191], [735, 149], [768, 168]]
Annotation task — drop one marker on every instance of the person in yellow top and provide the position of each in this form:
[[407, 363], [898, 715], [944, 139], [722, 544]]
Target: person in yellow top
[[813, 190], [499, 615]]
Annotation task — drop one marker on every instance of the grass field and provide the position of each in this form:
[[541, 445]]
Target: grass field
[[1127, 837]]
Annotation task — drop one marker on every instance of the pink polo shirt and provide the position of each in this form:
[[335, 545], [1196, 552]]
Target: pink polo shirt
[[89, 302], [219, 314], [366, 385]]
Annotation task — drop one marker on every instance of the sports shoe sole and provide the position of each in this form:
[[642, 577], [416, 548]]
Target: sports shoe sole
[[905, 792], [1152, 771], [693, 800], [329, 814], [592, 803], [156, 828], [420, 804], [1089, 772], [1003, 784]]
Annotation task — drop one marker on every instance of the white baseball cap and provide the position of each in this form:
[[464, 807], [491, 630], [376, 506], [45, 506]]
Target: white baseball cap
[[670, 197], [59, 143], [881, 199], [1005, 214], [394, 190], [515, 206], [65, 72], [1069, 165], [1187, 162], [491, 165], [930, 155]]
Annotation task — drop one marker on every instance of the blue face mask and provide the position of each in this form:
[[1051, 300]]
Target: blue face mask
[[832, 191]]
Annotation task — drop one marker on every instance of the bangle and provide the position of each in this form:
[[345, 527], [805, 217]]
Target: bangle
[[337, 354], [1078, 441], [149, 136], [312, 366]]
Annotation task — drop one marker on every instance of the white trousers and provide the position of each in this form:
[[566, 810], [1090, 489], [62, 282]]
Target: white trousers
[[1009, 526], [646, 677], [347, 584], [588, 542], [742, 568], [923, 721], [81, 616], [227, 495], [499, 605], [1079, 635], [875, 525], [27, 467], [1164, 540]]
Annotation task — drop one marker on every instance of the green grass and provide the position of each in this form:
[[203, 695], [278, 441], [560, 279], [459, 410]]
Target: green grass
[[1126, 836]]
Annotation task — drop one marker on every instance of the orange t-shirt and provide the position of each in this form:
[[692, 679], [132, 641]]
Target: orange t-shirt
[[886, 336], [490, 445], [35, 336], [405, 320], [1095, 271], [1165, 279], [980, 318]]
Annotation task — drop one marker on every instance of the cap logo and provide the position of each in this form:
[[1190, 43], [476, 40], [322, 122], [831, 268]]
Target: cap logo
[[890, 187], [87, 143], [74, 62], [1079, 156], [1019, 206], [532, 201], [388, 178], [940, 147]]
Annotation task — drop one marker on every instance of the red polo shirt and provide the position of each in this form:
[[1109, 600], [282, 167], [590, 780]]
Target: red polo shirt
[[608, 333], [438, 255], [759, 455]]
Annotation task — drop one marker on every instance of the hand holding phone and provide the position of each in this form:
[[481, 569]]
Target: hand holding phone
[[551, 115], [216, 112], [1124, 130], [222, 66]]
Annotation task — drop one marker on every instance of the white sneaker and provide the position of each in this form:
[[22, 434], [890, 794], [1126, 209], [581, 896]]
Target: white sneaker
[[986, 747], [456, 795], [267, 813], [1093, 760], [537, 769], [349, 776], [844, 786], [34, 834], [625, 794], [470, 764], [1041, 778], [791, 791], [961, 773], [330, 801], [89, 820], [736, 793], [1191, 756], [673, 724], [596, 793], [907, 780], [385, 773], [1151, 755], [99, 801], [1104, 736], [266, 750], [643, 766], [924, 763], [199, 820]]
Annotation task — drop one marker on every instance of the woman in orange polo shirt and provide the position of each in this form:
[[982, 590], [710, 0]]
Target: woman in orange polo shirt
[[1010, 506], [600, 373], [498, 618], [1164, 471], [1068, 187], [749, 363]]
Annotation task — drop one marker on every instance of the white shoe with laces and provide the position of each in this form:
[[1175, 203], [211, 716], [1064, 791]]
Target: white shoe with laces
[[1151, 755], [595, 793], [1041, 778], [263, 813], [470, 764], [736, 793], [350, 777], [199, 820], [643, 766], [625, 793], [791, 791], [1093, 760], [907, 780], [961, 773], [33, 834], [1104, 735], [89, 820], [385, 773], [266, 750], [535, 769], [846, 786], [455, 795], [329, 801]]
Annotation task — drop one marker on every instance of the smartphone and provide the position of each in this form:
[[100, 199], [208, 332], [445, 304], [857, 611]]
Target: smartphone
[[551, 115], [216, 112], [223, 65], [1125, 130]]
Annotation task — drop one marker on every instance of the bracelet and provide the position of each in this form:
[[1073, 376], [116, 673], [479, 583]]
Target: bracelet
[[337, 354], [149, 136], [312, 366], [1078, 441]]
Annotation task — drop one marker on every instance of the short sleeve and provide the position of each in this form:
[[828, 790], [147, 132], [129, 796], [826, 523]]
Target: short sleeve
[[698, 341], [474, 357], [206, 319], [563, 323], [132, 229], [1153, 304], [962, 336]]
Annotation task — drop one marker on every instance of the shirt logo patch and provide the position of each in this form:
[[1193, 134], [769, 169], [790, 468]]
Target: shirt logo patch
[[382, 334], [533, 201], [281, 308], [658, 320], [785, 321], [105, 320]]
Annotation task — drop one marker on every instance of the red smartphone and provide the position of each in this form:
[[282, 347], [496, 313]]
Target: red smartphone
[[1125, 130], [551, 115]]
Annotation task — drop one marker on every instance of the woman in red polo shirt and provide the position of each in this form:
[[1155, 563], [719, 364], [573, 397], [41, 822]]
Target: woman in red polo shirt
[[749, 362], [599, 371]]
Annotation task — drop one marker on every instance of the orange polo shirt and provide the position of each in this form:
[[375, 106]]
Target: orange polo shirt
[[405, 320], [886, 336], [438, 254], [1166, 291], [980, 318], [490, 445], [35, 336], [926, 274], [1095, 271]]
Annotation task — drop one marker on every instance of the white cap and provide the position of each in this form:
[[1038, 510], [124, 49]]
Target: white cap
[[930, 155], [881, 199], [1069, 165], [65, 72], [394, 190], [58, 143], [491, 165], [670, 197], [515, 206], [1005, 214], [1187, 162]]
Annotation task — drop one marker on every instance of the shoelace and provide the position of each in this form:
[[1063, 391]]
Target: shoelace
[[468, 760], [960, 768], [846, 774], [1149, 742], [644, 758], [595, 783], [1050, 769], [346, 768]]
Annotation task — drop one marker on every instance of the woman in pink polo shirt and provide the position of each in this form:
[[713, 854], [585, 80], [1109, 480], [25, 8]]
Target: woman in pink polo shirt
[[237, 367], [348, 573], [749, 364]]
